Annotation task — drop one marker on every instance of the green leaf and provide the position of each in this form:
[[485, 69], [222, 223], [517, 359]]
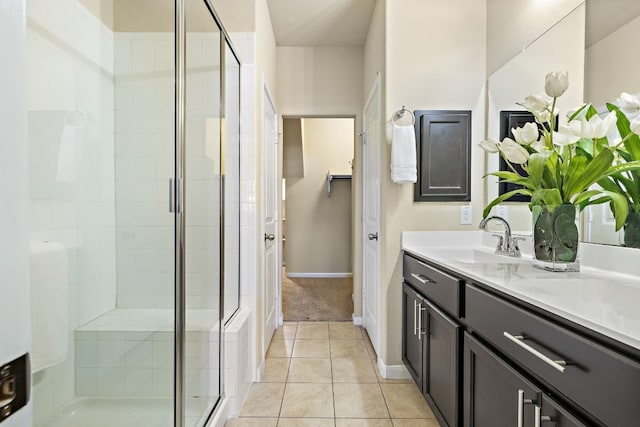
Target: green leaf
[[578, 112], [575, 170], [592, 173], [632, 144], [537, 164], [585, 196], [619, 206], [546, 196], [502, 198]]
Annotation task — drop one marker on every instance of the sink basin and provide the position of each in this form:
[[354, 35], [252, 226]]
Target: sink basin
[[476, 256]]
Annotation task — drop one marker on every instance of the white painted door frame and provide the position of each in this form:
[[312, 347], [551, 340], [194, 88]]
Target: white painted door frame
[[271, 271], [371, 170]]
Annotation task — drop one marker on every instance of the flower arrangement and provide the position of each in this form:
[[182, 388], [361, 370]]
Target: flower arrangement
[[561, 163], [561, 166]]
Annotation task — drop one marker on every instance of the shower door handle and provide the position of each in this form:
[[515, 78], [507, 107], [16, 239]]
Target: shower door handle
[[175, 191]]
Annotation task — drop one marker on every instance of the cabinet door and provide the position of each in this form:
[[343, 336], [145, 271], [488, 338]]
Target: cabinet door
[[412, 343], [552, 414], [495, 395], [442, 363]]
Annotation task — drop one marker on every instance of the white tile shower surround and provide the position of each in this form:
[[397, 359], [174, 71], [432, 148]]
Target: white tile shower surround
[[129, 352]]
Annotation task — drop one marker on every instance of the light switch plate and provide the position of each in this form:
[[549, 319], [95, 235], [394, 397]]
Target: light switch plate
[[465, 215], [502, 211]]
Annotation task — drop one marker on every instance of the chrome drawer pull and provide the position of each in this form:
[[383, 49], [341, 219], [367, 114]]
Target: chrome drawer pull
[[539, 418], [519, 339], [420, 279], [521, 403]]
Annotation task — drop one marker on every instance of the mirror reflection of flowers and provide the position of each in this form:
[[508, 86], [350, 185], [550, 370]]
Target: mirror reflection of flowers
[[560, 167], [627, 150]]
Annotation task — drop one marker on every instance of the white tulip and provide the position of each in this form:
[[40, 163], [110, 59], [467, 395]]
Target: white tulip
[[490, 146], [556, 83], [513, 152], [527, 134], [628, 103], [536, 103], [566, 135], [595, 127], [635, 125]]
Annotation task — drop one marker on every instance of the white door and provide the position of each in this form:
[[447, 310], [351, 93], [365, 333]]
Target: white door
[[372, 138], [270, 204]]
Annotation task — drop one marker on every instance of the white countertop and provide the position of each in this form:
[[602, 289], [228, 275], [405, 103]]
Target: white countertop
[[605, 301]]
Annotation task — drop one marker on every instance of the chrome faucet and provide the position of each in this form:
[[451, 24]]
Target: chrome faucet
[[507, 245]]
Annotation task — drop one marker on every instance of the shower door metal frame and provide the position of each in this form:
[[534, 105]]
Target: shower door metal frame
[[179, 203]]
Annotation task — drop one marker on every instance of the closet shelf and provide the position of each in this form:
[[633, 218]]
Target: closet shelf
[[331, 177]]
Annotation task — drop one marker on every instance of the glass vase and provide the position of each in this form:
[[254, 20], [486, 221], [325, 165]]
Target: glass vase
[[632, 227], [555, 237]]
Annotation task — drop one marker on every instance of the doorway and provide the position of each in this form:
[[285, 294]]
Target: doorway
[[317, 201]]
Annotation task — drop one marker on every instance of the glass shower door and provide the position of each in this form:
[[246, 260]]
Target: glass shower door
[[101, 153], [204, 171]]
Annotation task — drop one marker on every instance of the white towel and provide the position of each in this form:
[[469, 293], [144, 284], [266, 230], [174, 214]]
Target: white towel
[[403, 155]]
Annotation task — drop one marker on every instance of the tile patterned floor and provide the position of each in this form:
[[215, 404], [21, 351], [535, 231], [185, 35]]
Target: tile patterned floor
[[324, 374]]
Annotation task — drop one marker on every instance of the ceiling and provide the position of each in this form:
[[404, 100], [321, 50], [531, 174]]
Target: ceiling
[[321, 22]]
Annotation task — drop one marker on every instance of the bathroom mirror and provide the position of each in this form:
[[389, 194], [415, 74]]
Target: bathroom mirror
[[593, 42]]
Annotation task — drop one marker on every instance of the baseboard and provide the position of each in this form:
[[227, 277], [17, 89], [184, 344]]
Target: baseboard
[[392, 372], [357, 320], [320, 275]]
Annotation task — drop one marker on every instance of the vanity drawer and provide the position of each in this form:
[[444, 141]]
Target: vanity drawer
[[595, 377], [438, 286]]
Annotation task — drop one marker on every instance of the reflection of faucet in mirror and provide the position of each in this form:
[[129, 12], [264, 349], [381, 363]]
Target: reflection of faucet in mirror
[[507, 245]]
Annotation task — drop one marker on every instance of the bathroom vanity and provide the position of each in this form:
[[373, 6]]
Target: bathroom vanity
[[492, 341]]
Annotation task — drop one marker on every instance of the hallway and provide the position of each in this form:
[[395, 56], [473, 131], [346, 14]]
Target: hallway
[[321, 374]]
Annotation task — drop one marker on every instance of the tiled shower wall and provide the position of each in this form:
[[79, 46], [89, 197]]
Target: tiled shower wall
[[71, 174], [144, 98], [144, 163]]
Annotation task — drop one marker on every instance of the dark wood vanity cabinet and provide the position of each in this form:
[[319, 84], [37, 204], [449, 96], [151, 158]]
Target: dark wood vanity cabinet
[[431, 354], [495, 395], [431, 338], [482, 358]]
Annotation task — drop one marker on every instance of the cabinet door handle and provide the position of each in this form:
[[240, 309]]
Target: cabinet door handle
[[415, 317], [521, 402], [419, 278], [420, 310], [519, 339], [539, 418]]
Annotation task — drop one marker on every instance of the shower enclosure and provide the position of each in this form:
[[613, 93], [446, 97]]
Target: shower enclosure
[[134, 170]]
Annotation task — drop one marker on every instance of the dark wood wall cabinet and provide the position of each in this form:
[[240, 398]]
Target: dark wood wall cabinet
[[443, 156], [485, 359]]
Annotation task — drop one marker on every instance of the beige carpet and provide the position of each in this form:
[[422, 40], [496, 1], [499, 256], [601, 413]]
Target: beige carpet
[[316, 299]]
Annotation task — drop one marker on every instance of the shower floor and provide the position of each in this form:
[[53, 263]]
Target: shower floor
[[105, 412]]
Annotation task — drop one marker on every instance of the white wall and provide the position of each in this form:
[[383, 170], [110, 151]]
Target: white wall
[[612, 67], [435, 60], [15, 322], [320, 80], [513, 24], [318, 226]]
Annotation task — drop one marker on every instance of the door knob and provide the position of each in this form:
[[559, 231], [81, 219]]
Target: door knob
[[373, 236], [270, 237]]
